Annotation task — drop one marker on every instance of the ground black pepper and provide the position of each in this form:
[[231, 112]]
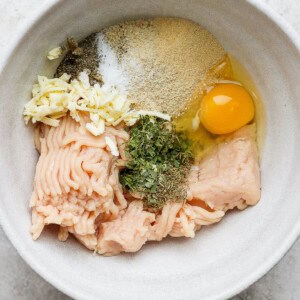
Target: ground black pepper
[[81, 56]]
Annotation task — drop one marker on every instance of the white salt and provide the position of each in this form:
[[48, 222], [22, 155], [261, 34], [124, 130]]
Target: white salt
[[113, 72]]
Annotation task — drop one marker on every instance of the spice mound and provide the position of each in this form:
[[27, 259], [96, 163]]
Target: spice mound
[[158, 62], [159, 160]]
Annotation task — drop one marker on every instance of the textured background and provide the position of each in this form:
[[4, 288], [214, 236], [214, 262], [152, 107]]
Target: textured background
[[18, 281]]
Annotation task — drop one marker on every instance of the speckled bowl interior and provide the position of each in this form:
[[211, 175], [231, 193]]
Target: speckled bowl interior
[[222, 259]]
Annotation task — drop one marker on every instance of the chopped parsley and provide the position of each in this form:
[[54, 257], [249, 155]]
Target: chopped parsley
[[159, 160]]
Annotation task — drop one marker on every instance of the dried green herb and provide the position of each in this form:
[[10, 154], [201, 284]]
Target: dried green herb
[[159, 160]]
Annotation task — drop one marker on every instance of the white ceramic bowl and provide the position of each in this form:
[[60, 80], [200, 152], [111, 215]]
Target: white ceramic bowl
[[223, 259]]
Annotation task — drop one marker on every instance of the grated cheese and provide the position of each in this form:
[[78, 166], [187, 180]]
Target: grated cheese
[[112, 146]]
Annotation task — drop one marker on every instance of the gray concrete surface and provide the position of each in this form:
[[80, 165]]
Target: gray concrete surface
[[18, 281]]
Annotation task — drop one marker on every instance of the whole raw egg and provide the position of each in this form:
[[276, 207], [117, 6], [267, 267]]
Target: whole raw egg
[[226, 108]]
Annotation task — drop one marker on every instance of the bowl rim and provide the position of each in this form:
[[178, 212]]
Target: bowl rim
[[289, 240]]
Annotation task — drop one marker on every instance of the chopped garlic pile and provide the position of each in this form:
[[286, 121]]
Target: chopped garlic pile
[[54, 98]]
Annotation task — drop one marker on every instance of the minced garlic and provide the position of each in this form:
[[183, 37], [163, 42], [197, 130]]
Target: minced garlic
[[55, 53]]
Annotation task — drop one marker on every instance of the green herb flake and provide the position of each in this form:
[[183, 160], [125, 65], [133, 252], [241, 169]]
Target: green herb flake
[[159, 160]]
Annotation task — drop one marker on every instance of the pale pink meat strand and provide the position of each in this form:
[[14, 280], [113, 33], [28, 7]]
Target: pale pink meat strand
[[67, 169], [44, 169], [55, 172], [61, 173]]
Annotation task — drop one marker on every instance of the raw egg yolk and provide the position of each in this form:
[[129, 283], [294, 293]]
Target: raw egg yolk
[[226, 108]]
